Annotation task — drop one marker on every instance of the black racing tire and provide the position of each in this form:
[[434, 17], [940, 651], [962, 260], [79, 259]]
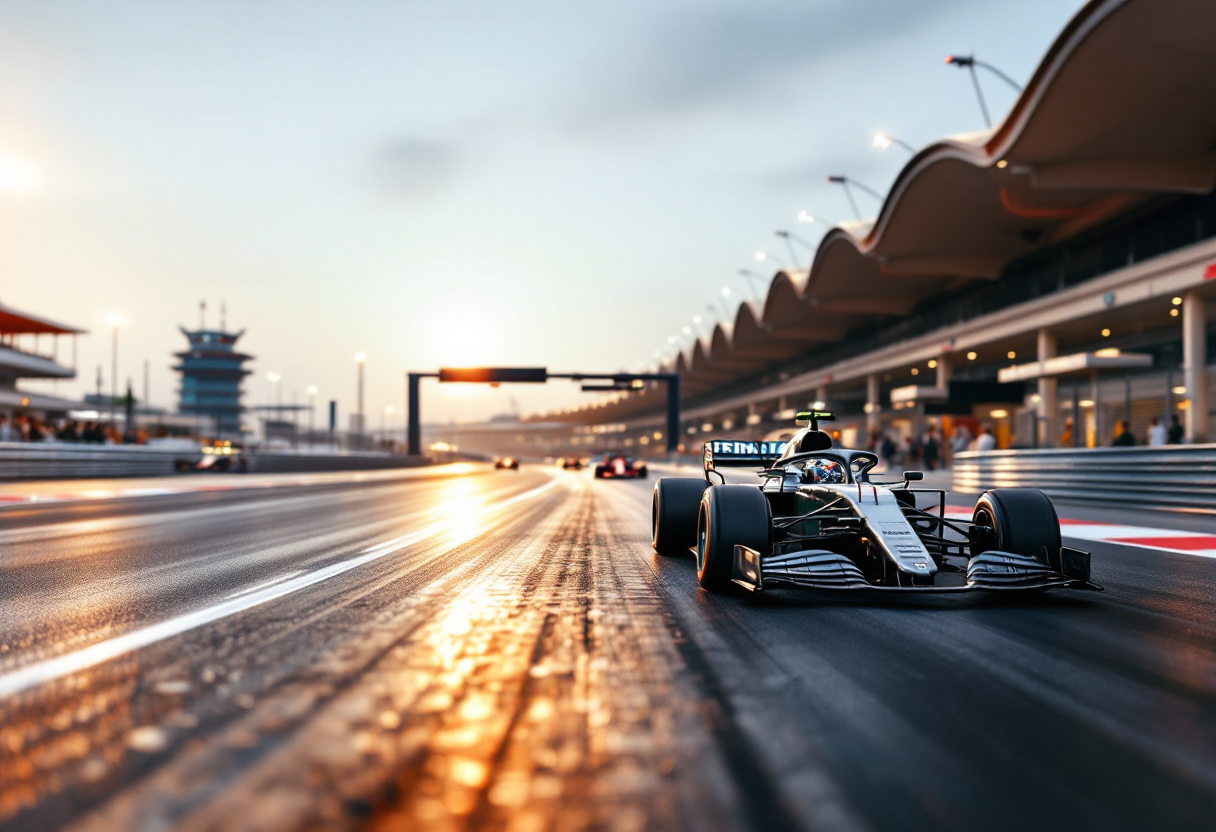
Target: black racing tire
[[730, 515], [642, 472], [599, 472], [1023, 520], [673, 514]]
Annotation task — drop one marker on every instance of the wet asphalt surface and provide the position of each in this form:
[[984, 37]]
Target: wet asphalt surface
[[538, 667]]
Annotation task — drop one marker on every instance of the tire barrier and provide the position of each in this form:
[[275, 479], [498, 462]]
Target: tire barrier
[[1169, 478], [22, 461]]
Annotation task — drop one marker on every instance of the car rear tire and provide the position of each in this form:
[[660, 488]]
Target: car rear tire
[[599, 472], [673, 514], [730, 515], [1023, 520]]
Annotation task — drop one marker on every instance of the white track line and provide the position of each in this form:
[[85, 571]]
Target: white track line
[[1195, 544], [60, 666]]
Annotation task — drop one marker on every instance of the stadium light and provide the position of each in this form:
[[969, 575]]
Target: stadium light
[[764, 257], [845, 182], [312, 410], [726, 293], [969, 63], [360, 360], [884, 140], [788, 236], [785, 235], [752, 279], [115, 322]]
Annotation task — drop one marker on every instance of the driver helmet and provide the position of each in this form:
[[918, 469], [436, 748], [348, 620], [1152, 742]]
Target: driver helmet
[[826, 470]]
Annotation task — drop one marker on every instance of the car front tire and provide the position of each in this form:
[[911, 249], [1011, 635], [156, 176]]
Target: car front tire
[[730, 515], [1023, 521]]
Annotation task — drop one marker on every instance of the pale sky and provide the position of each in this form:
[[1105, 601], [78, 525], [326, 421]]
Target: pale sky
[[448, 183]]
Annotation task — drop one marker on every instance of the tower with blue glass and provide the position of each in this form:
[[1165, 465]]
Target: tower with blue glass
[[212, 371]]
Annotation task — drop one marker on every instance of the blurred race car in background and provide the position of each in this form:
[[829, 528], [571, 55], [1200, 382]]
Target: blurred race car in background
[[509, 463], [617, 465], [570, 463]]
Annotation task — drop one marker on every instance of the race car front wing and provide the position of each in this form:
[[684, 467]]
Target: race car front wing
[[821, 569]]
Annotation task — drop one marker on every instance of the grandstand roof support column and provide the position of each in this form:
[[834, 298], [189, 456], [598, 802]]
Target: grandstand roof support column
[[1048, 408], [1194, 362], [873, 403], [944, 370]]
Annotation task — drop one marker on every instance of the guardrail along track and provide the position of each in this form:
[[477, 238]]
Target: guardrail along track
[[1170, 478], [54, 460]]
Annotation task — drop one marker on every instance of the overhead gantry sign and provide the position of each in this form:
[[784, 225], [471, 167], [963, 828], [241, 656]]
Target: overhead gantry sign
[[540, 375]]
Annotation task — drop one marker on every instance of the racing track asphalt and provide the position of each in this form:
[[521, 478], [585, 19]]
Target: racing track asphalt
[[407, 654]]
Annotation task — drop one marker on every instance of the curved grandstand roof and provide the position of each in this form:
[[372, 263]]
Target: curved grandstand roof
[[1120, 110]]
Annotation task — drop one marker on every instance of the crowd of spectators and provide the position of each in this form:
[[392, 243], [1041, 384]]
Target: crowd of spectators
[[930, 450], [927, 450], [23, 428], [1158, 434]]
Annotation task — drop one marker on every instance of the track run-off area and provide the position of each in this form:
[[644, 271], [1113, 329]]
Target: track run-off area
[[459, 648]]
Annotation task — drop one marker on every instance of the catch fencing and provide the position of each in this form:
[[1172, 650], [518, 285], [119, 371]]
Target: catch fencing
[[52, 460], [1169, 478]]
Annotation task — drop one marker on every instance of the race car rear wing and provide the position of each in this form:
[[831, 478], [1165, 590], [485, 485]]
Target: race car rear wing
[[733, 453]]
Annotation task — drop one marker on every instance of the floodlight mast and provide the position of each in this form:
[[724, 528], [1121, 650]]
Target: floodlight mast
[[535, 375]]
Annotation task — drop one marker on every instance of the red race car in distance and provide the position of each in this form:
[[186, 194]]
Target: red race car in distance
[[508, 463], [617, 465]]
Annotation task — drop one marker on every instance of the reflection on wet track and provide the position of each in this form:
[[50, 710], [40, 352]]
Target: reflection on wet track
[[503, 650]]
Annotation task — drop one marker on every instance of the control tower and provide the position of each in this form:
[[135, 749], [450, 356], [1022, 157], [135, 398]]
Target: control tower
[[212, 371]]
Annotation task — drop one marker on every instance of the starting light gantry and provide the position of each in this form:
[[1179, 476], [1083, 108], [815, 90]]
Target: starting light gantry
[[539, 375]]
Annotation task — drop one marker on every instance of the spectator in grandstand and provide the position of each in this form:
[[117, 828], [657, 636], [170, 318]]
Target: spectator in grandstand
[[986, 441], [7, 434], [1066, 436], [1174, 435], [35, 431], [1123, 436], [1156, 432]]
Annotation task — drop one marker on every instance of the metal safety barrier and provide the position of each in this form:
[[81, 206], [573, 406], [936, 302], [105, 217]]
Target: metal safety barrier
[[53, 460], [270, 462], [1169, 478]]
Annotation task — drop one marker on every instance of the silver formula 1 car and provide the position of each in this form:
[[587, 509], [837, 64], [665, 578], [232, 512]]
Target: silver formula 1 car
[[818, 521]]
